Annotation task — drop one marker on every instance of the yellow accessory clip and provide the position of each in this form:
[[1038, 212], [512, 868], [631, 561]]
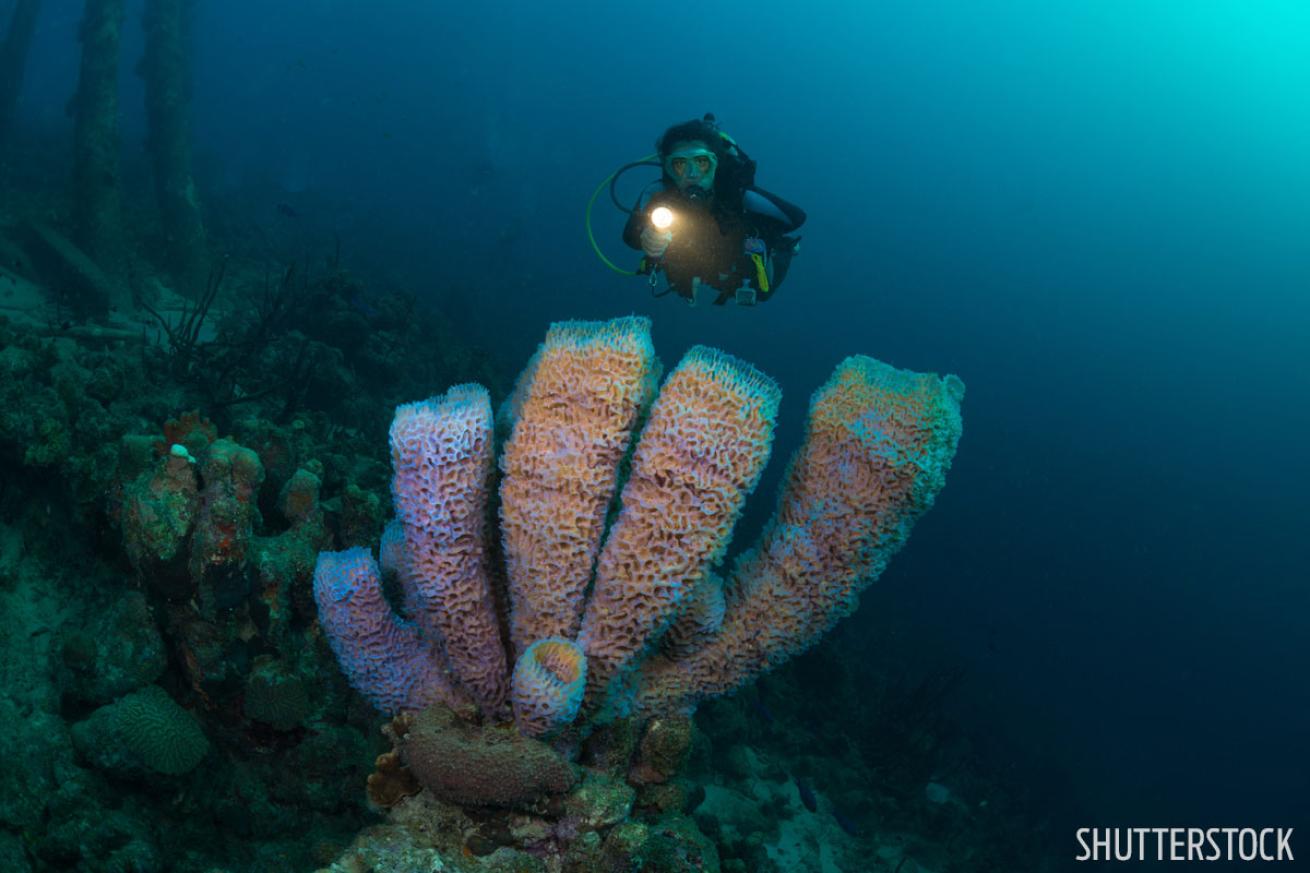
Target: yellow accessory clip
[[761, 274]]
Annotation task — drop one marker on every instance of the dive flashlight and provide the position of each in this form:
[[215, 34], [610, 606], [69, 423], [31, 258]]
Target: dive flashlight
[[661, 217]]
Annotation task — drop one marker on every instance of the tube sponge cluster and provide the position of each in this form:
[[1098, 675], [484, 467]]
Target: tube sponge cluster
[[641, 524]]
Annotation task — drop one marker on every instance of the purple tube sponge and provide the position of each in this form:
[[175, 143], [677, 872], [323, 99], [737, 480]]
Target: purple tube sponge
[[441, 452], [393, 556], [385, 659], [547, 687]]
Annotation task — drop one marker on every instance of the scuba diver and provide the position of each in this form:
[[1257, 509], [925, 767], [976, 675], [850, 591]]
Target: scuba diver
[[709, 229]]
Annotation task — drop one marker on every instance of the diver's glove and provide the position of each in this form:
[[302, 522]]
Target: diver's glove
[[655, 242]]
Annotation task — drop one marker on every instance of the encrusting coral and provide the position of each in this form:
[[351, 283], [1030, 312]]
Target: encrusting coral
[[610, 536]]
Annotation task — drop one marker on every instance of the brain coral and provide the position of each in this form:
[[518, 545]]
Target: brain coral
[[157, 732]]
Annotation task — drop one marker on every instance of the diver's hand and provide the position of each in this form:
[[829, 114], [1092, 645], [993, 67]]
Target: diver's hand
[[655, 242]]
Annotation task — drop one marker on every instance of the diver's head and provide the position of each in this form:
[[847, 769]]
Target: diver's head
[[694, 160], [691, 164], [703, 163]]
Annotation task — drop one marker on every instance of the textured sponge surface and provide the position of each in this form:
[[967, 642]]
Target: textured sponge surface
[[547, 686]]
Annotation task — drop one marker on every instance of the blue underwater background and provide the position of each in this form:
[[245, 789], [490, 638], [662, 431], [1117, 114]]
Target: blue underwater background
[[1097, 214]]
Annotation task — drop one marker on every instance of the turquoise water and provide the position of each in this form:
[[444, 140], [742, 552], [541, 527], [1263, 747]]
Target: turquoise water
[[1096, 214]]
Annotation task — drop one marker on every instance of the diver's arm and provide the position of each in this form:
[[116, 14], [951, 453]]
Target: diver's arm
[[632, 231], [789, 216], [638, 219]]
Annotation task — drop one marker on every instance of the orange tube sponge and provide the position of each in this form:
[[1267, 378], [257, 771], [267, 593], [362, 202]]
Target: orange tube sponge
[[878, 444], [441, 454], [699, 619], [574, 415], [547, 686], [700, 456]]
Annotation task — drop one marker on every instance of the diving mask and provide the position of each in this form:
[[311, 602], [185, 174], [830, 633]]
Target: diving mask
[[692, 166]]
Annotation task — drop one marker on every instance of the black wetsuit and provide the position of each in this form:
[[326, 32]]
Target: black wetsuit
[[715, 245]]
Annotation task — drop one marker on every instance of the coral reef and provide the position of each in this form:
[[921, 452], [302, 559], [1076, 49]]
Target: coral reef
[[160, 564], [592, 829], [156, 568], [276, 695]]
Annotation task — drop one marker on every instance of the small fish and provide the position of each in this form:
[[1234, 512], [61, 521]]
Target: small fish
[[845, 823], [362, 306], [288, 210], [807, 794]]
